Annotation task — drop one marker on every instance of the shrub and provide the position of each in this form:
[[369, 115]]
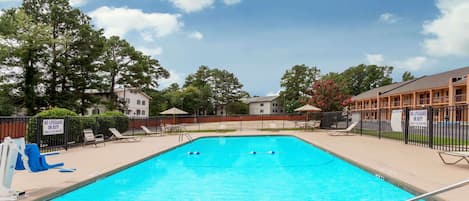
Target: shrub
[[72, 123], [111, 119], [75, 125]]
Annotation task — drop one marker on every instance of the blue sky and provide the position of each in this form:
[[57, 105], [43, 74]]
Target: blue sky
[[259, 39]]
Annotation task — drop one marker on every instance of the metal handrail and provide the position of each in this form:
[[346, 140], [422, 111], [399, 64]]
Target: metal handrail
[[441, 190]]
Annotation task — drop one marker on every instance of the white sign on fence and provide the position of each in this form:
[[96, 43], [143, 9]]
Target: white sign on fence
[[418, 118], [52, 126], [396, 120]]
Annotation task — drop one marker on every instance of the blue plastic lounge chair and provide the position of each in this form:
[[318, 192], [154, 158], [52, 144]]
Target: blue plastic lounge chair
[[37, 161]]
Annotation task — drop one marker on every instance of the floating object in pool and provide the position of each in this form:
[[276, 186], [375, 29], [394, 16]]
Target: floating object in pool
[[252, 152], [196, 153], [190, 152], [271, 152]]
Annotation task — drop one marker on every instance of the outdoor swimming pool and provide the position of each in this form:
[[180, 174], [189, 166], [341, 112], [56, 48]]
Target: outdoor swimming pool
[[225, 168]]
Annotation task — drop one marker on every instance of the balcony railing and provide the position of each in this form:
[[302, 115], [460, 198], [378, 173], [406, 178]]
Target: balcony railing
[[440, 99], [396, 103], [407, 102], [423, 101], [460, 97]]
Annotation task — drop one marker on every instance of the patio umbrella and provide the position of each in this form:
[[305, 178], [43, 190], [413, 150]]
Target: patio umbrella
[[174, 111], [307, 108]]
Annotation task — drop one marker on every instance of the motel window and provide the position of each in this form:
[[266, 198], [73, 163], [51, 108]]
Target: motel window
[[262, 104], [138, 102], [127, 100], [261, 111], [143, 102], [138, 112], [143, 112], [128, 112]]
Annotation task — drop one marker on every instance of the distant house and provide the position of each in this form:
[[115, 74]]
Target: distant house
[[264, 105], [135, 102]]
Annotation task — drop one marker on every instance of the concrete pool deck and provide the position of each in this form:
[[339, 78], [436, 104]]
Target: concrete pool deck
[[418, 167]]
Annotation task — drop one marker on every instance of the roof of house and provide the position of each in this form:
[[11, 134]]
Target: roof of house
[[432, 81], [374, 92], [422, 83], [259, 99], [116, 90]]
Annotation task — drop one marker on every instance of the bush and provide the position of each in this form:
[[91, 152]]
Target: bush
[[72, 122], [75, 125], [111, 119]]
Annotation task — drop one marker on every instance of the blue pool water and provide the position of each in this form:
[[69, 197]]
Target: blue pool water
[[226, 170]]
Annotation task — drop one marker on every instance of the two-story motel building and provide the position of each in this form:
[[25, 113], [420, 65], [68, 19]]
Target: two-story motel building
[[439, 91]]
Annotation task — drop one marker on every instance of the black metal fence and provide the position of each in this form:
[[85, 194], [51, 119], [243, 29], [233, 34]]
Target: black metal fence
[[443, 128], [57, 133]]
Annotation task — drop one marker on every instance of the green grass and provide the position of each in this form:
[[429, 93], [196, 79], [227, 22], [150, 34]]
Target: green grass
[[437, 140]]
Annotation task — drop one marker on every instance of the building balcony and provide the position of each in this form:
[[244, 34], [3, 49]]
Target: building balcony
[[460, 97], [396, 103], [407, 103], [441, 99], [424, 101]]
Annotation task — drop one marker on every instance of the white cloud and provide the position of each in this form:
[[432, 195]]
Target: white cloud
[[147, 36], [449, 33], [231, 2], [78, 3], [413, 64], [388, 18], [1, 13], [174, 77], [189, 6], [151, 51], [376, 59], [120, 21], [196, 35], [272, 93]]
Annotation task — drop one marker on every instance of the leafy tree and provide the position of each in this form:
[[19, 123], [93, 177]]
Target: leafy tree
[[237, 108], [7, 107], [217, 87], [126, 66], [296, 82], [326, 95], [407, 76], [24, 50], [361, 78]]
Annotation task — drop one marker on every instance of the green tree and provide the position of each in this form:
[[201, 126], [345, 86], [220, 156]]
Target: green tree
[[24, 51], [237, 107], [361, 78], [7, 108], [217, 87], [128, 67], [407, 76], [295, 82]]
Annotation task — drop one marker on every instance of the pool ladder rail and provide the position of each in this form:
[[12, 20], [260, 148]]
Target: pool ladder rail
[[186, 135], [441, 190]]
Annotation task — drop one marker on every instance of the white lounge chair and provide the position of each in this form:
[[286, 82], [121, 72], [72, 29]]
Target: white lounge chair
[[119, 136], [345, 132], [459, 155], [90, 137], [149, 132]]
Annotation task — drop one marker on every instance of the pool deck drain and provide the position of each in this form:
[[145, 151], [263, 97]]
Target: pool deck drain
[[406, 164]]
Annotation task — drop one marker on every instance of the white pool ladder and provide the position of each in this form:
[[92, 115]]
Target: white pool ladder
[[441, 190], [186, 135]]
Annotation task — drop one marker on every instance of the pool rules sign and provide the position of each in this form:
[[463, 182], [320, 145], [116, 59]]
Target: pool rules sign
[[52, 126], [418, 118]]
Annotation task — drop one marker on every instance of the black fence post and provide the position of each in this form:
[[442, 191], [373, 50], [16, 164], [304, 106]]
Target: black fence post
[[38, 131], [430, 126], [379, 123], [361, 122], [66, 131], [406, 125]]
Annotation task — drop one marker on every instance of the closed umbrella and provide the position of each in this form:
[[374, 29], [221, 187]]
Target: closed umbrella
[[174, 111]]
